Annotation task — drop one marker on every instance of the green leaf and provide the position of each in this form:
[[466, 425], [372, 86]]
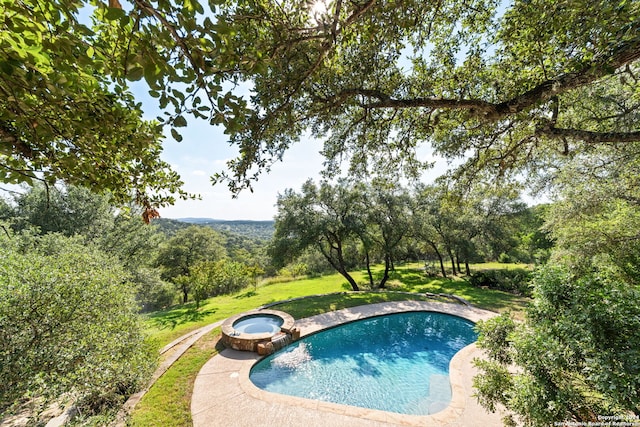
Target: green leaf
[[180, 121], [135, 73], [176, 135], [114, 13]]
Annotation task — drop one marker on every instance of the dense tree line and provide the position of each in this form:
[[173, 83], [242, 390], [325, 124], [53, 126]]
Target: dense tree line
[[157, 264], [351, 224]]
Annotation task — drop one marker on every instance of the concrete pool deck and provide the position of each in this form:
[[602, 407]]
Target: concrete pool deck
[[223, 395]]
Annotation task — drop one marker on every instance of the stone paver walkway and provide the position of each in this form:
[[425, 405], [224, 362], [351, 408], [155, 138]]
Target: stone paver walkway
[[223, 395]]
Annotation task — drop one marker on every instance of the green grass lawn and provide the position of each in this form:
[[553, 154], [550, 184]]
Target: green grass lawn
[[168, 402], [167, 325]]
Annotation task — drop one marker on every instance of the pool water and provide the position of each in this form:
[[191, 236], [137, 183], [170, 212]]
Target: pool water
[[259, 324], [397, 363]]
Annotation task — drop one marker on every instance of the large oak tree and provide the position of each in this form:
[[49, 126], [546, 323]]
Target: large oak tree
[[508, 86], [505, 86]]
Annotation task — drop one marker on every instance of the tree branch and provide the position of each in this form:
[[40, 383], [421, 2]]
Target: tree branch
[[589, 72], [547, 129]]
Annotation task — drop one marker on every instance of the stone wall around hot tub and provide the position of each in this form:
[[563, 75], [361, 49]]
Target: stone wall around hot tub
[[249, 342]]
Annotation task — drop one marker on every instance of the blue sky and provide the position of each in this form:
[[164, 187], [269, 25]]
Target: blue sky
[[205, 150]]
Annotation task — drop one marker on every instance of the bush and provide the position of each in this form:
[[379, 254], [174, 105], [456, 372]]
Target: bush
[[515, 281], [574, 357], [504, 258], [68, 324], [153, 293]]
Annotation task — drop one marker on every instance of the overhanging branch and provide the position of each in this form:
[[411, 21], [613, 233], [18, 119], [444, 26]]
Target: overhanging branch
[[587, 136], [589, 72]]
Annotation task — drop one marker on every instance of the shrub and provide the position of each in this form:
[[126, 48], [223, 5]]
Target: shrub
[[573, 358], [68, 324], [153, 293], [515, 281]]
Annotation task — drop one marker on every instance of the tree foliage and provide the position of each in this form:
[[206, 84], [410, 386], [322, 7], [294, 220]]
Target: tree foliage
[[68, 210], [324, 218], [66, 110], [516, 86], [356, 225], [188, 247], [510, 86], [68, 322], [213, 278], [577, 354]]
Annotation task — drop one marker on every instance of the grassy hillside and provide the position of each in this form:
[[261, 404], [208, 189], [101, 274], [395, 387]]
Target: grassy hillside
[[167, 325]]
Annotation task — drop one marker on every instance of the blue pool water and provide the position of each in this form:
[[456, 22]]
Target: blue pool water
[[397, 363], [258, 324]]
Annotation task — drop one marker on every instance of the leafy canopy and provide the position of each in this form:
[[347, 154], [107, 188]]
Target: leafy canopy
[[66, 110], [508, 86]]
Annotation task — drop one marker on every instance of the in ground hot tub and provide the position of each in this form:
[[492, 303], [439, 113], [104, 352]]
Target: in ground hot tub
[[246, 331]]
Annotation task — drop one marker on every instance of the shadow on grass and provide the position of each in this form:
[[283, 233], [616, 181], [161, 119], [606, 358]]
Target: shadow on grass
[[169, 319], [416, 280], [322, 304], [248, 294]]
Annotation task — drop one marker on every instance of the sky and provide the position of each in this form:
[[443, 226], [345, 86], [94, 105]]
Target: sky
[[205, 150]]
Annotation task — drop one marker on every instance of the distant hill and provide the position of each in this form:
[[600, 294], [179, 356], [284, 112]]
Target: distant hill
[[262, 230]]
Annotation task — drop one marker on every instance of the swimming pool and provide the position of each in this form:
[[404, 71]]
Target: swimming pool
[[397, 363]]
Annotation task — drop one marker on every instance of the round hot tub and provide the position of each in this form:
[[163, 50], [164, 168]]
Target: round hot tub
[[246, 331]]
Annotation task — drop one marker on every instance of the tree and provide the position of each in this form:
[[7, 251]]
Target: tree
[[576, 355], [597, 215], [510, 86], [213, 278], [66, 110], [437, 222], [385, 223], [63, 209], [319, 217], [184, 250], [68, 324], [513, 86]]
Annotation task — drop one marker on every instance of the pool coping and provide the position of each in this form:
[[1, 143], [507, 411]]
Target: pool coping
[[225, 378]]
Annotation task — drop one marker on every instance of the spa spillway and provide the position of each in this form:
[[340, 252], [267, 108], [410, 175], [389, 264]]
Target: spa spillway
[[257, 330]]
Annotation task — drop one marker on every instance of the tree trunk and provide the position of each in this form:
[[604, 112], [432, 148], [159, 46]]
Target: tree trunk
[[185, 295], [352, 282], [339, 265], [369, 270], [466, 267], [385, 277], [435, 248], [453, 263]]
